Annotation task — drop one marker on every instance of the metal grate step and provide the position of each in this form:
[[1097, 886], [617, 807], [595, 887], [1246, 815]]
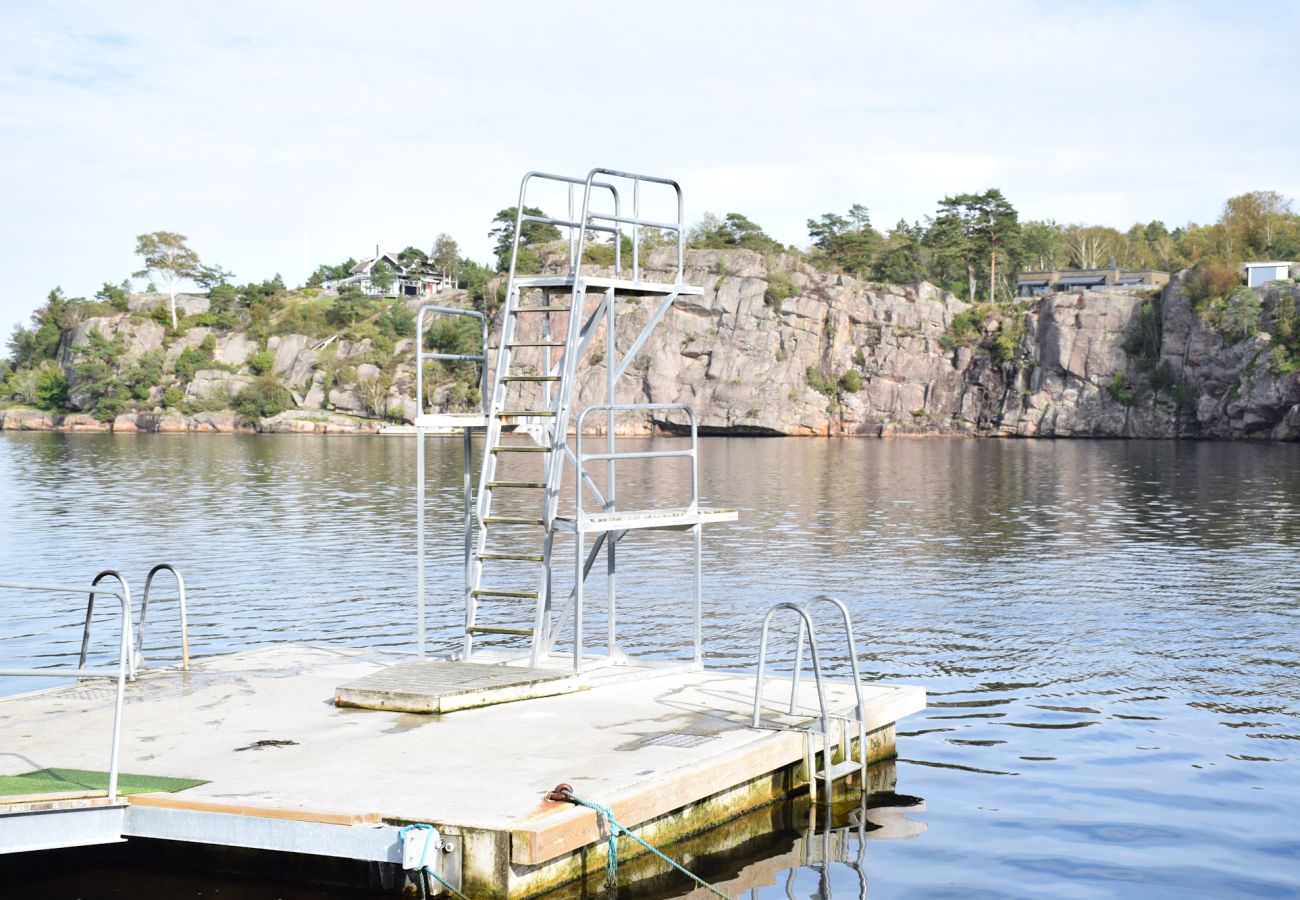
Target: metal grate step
[[519, 448], [514, 344], [539, 413], [492, 629], [523, 557], [530, 378], [541, 309], [536, 485], [512, 520]]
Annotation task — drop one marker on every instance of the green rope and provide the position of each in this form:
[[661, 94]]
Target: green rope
[[424, 868], [615, 829]]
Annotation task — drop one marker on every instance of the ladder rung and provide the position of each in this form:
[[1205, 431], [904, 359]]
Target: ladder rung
[[511, 520], [530, 378], [492, 629], [540, 413], [502, 592], [517, 484], [520, 448], [542, 309], [525, 557], [514, 344]]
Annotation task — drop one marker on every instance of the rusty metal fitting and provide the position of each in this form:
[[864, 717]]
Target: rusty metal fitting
[[563, 793]]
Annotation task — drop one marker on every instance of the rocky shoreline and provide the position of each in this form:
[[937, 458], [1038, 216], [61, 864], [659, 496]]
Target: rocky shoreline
[[22, 419], [774, 347]]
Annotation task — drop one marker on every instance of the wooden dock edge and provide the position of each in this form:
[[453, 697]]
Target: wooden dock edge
[[685, 821], [190, 804]]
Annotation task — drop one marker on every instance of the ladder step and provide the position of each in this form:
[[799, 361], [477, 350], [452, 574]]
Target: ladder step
[[491, 629], [525, 557], [541, 309], [511, 520], [530, 378], [517, 484], [520, 448], [540, 413], [502, 592], [514, 344]]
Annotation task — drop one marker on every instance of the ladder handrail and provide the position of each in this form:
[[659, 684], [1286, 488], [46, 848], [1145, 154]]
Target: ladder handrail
[[853, 664], [421, 354], [756, 721], [90, 609], [144, 611], [123, 662]]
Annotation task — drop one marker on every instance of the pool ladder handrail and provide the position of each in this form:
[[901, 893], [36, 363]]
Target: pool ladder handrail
[[853, 665], [135, 659], [756, 720], [806, 625]]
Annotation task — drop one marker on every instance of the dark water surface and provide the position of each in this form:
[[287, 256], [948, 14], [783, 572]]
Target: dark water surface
[[1109, 632]]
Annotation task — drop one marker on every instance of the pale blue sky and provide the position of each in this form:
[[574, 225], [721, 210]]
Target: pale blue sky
[[259, 128]]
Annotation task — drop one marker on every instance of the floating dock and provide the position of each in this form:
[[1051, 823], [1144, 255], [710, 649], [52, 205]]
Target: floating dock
[[288, 770], [308, 753]]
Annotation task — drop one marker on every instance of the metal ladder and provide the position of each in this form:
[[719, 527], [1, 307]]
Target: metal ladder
[[535, 373], [135, 659], [830, 772]]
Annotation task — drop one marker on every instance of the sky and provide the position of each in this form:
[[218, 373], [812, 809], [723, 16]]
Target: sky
[[280, 135]]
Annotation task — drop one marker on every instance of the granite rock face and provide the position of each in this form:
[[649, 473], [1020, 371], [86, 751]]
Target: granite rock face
[[774, 346]]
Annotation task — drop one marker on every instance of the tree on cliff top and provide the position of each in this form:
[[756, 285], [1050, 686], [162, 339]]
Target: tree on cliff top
[[531, 233], [166, 257], [732, 230], [975, 229], [847, 241]]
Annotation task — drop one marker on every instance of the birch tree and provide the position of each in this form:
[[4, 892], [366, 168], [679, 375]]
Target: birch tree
[[166, 258]]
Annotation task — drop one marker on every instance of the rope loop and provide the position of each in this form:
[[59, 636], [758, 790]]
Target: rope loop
[[614, 828]]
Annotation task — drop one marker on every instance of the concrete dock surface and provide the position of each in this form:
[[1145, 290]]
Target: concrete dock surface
[[670, 754]]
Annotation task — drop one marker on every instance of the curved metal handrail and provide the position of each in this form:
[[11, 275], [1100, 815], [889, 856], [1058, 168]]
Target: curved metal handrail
[[804, 622], [138, 657], [853, 663], [123, 659], [90, 609]]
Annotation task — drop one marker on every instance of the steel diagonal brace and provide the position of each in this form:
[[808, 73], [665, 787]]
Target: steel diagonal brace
[[587, 332], [552, 634], [630, 356]]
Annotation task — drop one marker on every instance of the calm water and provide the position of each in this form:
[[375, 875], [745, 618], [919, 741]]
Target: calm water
[[1108, 631]]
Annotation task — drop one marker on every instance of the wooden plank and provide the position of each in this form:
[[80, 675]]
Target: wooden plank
[[10, 803], [170, 801]]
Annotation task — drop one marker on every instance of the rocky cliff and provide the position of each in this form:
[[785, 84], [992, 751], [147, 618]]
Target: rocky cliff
[[775, 347]]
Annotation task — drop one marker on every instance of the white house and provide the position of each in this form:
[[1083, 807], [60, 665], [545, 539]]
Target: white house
[[1258, 273], [408, 281]]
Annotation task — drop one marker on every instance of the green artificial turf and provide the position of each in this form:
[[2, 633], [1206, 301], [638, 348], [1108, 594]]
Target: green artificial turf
[[52, 781]]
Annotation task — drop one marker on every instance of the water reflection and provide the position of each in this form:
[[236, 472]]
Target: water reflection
[[1108, 630]]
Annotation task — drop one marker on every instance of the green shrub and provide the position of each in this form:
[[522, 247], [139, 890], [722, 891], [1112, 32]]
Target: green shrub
[[98, 379], [860, 358], [263, 398], [261, 361], [1119, 390], [50, 391], [190, 361], [779, 288], [1242, 311], [144, 375], [173, 397], [851, 381], [816, 379]]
